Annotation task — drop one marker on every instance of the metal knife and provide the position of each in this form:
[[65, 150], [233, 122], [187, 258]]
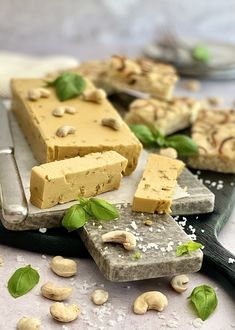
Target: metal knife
[[13, 204]]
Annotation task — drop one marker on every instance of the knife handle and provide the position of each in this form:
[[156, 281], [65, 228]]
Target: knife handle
[[12, 197]]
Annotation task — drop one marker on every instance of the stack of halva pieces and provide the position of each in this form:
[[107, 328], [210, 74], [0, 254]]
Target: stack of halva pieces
[[84, 147]]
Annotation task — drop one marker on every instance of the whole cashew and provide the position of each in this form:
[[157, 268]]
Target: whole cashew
[[63, 267], [53, 292], [169, 152], [120, 236], [36, 93], [62, 313], [179, 283], [65, 130], [99, 296], [96, 95], [26, 323], [150, 300]]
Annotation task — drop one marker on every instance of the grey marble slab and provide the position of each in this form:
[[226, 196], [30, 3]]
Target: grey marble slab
[[197, 199], [157, 245]]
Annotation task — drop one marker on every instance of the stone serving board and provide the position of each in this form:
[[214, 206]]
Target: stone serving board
[[157, 245], [198, 199]]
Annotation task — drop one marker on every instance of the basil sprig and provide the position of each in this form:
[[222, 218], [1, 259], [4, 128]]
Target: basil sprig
[[68, 85], [183, 144], [188, 247], [77, 215], [205, 300], [22, 281]]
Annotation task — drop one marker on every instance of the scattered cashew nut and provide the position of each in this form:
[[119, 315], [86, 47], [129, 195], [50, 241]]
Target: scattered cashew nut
[[26, 323], [150, 300], [60, 111], [36, 93], [65, 130], [99, 296], [113, 123], [120, 236], [96, 95], [64, 313], [179, 283], [53, 292], [63, 267], [169, 152]]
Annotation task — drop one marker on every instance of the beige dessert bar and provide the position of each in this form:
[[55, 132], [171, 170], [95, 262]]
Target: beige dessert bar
[[156, 187], [167, 116], [214, 133], [65, 180], [120, 72], [77, 131]]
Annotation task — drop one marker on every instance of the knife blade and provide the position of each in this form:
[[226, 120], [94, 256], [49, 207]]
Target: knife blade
[[13, 203]]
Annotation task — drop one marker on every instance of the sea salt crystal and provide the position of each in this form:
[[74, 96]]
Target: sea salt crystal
[[133, 225], [151, 229], [202, 230], [100, 227], [43, 230], [19, 258], [231, 260], [43, 256], [197, 323]]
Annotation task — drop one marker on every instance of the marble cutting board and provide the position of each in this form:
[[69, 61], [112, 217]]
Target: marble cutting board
[[198, 199]]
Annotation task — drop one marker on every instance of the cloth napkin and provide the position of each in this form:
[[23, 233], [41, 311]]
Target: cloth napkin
[[13, 65]]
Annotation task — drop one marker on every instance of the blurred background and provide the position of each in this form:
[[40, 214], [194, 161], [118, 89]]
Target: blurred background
[[96, 28]]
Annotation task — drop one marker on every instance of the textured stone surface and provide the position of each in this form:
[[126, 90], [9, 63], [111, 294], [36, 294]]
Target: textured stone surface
[[157, 245]]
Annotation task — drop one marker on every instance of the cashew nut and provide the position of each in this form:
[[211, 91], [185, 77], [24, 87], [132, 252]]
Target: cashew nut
[[97, 95], [63, 267], [65, 130], [26, 323], [169, 152], [120, 236], [99, 296], [53, 292], [44, 92], [36, 93], [64, 313], [179, 283], [148, 222], [59, 111], [150, 300], [113, 123]]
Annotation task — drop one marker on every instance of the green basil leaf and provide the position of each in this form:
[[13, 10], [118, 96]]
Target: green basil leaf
[[205, 300], [68, 85], [159, 137], [75, 217], [136, 256], [201, 53], [102, 210], [22, 281], [188, 247], [144, 134], [184, 145]]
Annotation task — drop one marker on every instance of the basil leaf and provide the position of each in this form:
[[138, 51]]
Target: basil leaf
[[188, 247], [184, 145], [201, 53], [102, 210], [68, 85], [159, 137], [75, 217], [205, 300], [22, 281], [144, 134], [136, 256]]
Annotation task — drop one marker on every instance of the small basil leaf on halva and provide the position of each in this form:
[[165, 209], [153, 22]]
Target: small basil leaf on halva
[[205, 300], [68, 85], [22, 281], [103, 210]]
